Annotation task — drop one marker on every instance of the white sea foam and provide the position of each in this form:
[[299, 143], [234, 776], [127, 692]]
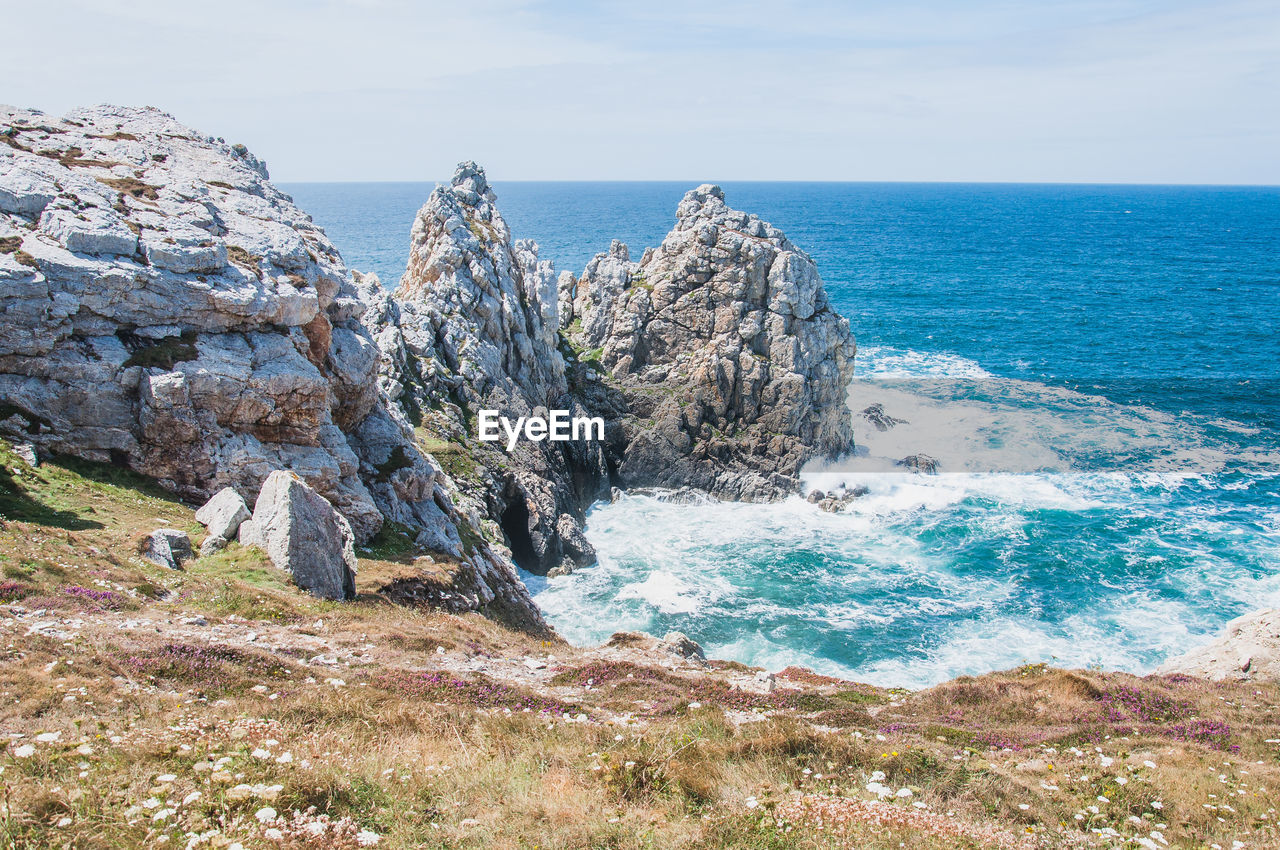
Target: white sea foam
[[666, 592], [883, 363], [1064, 528]]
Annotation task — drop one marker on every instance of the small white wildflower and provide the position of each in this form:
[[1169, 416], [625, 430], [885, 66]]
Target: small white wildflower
[[191, 798], [1156, 804], [64, 822], [1023, 806], [25, 751], [367, 838], [903, 793], [266, 814], [48, 737], [166, 777]]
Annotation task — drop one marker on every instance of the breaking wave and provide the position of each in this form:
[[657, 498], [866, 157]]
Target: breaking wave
[[1061, 527]]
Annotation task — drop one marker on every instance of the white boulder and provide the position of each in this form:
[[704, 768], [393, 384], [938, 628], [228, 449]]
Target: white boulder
[[223, 514], [1248, 649], [302, 533]]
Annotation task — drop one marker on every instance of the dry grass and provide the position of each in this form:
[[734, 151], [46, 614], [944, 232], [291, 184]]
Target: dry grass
[[158, 708]]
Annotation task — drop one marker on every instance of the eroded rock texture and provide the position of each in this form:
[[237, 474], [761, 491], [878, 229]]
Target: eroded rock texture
[[475, 325], [163, 306], [733, 364]]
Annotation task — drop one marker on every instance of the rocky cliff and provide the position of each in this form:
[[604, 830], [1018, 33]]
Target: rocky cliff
[[732, 362], [166, 308], [474, 325]]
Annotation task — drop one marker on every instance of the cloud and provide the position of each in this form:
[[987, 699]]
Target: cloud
[[390, 89]]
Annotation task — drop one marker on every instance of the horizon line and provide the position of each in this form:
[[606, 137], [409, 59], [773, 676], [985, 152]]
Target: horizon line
[[699, 182]]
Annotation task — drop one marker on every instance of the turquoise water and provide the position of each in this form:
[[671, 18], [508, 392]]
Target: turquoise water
[[1094, 366]]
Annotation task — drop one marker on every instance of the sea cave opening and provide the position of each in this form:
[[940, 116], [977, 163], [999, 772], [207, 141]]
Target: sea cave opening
[[515, 525]]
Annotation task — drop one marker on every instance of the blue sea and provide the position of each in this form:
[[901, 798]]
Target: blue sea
[[1096, 369]]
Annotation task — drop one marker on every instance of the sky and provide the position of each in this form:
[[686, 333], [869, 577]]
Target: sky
[[701, 90]]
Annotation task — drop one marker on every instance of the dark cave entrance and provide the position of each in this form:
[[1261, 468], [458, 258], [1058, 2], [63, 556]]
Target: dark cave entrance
[[515, 525]]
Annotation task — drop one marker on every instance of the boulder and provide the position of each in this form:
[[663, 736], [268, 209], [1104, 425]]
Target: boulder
[[875, 414], [1248, 649], [302, 534], [223, 513], [167, 547], [212, 544], [27, 452], [678, 643]]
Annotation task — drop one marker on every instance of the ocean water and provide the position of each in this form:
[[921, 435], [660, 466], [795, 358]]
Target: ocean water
[[1096, 369]]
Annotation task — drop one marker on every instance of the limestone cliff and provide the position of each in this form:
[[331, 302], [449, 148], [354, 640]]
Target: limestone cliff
[[732, 362], [166, 308], [474, 325]]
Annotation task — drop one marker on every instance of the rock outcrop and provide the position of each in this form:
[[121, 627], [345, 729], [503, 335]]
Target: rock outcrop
[[167, 308], [473, 326], [733, 365], [716, 362], [304, 536], [164, 307], [1249, 648]]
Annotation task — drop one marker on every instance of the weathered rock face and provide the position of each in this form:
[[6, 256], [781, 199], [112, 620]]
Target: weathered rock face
[[729, 356], [304, 536], [1249, 648], [474, 325], [163, 306]]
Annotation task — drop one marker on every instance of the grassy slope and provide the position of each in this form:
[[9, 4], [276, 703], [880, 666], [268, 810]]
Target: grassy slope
[[429, 730]]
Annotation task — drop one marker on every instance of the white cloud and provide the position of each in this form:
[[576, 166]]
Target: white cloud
[[391, 89]]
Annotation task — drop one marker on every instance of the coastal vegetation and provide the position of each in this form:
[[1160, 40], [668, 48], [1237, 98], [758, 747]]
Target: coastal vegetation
[[220, 705]]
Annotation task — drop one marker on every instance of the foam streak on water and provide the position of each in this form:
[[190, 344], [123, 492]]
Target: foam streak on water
[[1063, 528]]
